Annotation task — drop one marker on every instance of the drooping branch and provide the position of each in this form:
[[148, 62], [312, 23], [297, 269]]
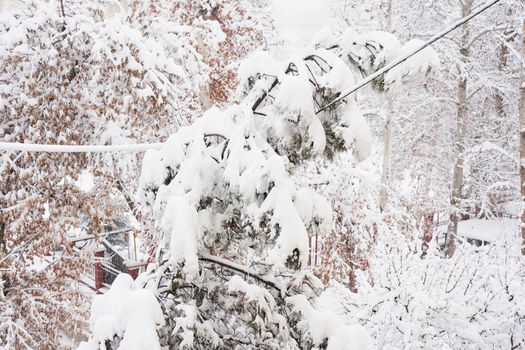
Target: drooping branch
[[405, 57], [264, 95], [242, 269], [62, 8], [272, 86]]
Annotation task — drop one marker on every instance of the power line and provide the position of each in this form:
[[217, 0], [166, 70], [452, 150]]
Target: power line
[[33, 147], [402, 59]]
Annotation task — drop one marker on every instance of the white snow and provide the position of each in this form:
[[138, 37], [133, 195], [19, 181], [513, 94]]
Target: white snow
[[416, 68], [294, 106], [295, 96], [259, 62], [356, 131], [29, 147], [152, 175], [323, 324], [190, 326], [299, 20], [489, 230], [85, 181], [292, 232], [370, 50], [252, 292], [186, 232], [243, 171], [127, 311], [7, 5], [314, 209], [512, 208], [340, 77]]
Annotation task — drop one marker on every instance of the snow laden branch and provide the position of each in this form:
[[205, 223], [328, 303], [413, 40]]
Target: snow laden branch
[[230, 268], [381, 49], [242, 269]]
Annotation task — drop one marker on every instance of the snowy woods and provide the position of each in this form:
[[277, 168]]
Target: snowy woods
[[266, 194]]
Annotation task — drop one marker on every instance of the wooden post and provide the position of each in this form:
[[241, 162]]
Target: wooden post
[[133, 272], [309, 250], [133, 267], [315, 250], [99, 271]]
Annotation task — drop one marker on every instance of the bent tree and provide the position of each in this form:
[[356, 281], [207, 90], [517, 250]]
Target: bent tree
[[230, 265]]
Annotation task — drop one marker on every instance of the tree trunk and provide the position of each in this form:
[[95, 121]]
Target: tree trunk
[[502, 63], [2, 238], [428, 223], [457, 179], [387, 146], [522, 136], [387, 155]]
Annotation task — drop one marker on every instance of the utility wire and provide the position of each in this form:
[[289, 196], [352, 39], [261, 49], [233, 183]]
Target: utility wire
[[33, 147], [6, 146], [402, 59]]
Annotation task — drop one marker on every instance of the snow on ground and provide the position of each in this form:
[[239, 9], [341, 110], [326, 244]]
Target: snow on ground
[[489, 230], [512, 208]]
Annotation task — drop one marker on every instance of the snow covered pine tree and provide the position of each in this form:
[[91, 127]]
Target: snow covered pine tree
[[230, 266]]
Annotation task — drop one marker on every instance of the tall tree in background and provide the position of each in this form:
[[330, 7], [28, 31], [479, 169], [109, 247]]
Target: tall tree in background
[[356, 227], [426, 149], [483, 179], [461, 124], [522, 135], [389, 124]]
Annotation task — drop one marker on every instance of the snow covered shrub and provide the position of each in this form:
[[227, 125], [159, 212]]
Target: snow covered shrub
[[230, 264], [230, 268], [474, 300]]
